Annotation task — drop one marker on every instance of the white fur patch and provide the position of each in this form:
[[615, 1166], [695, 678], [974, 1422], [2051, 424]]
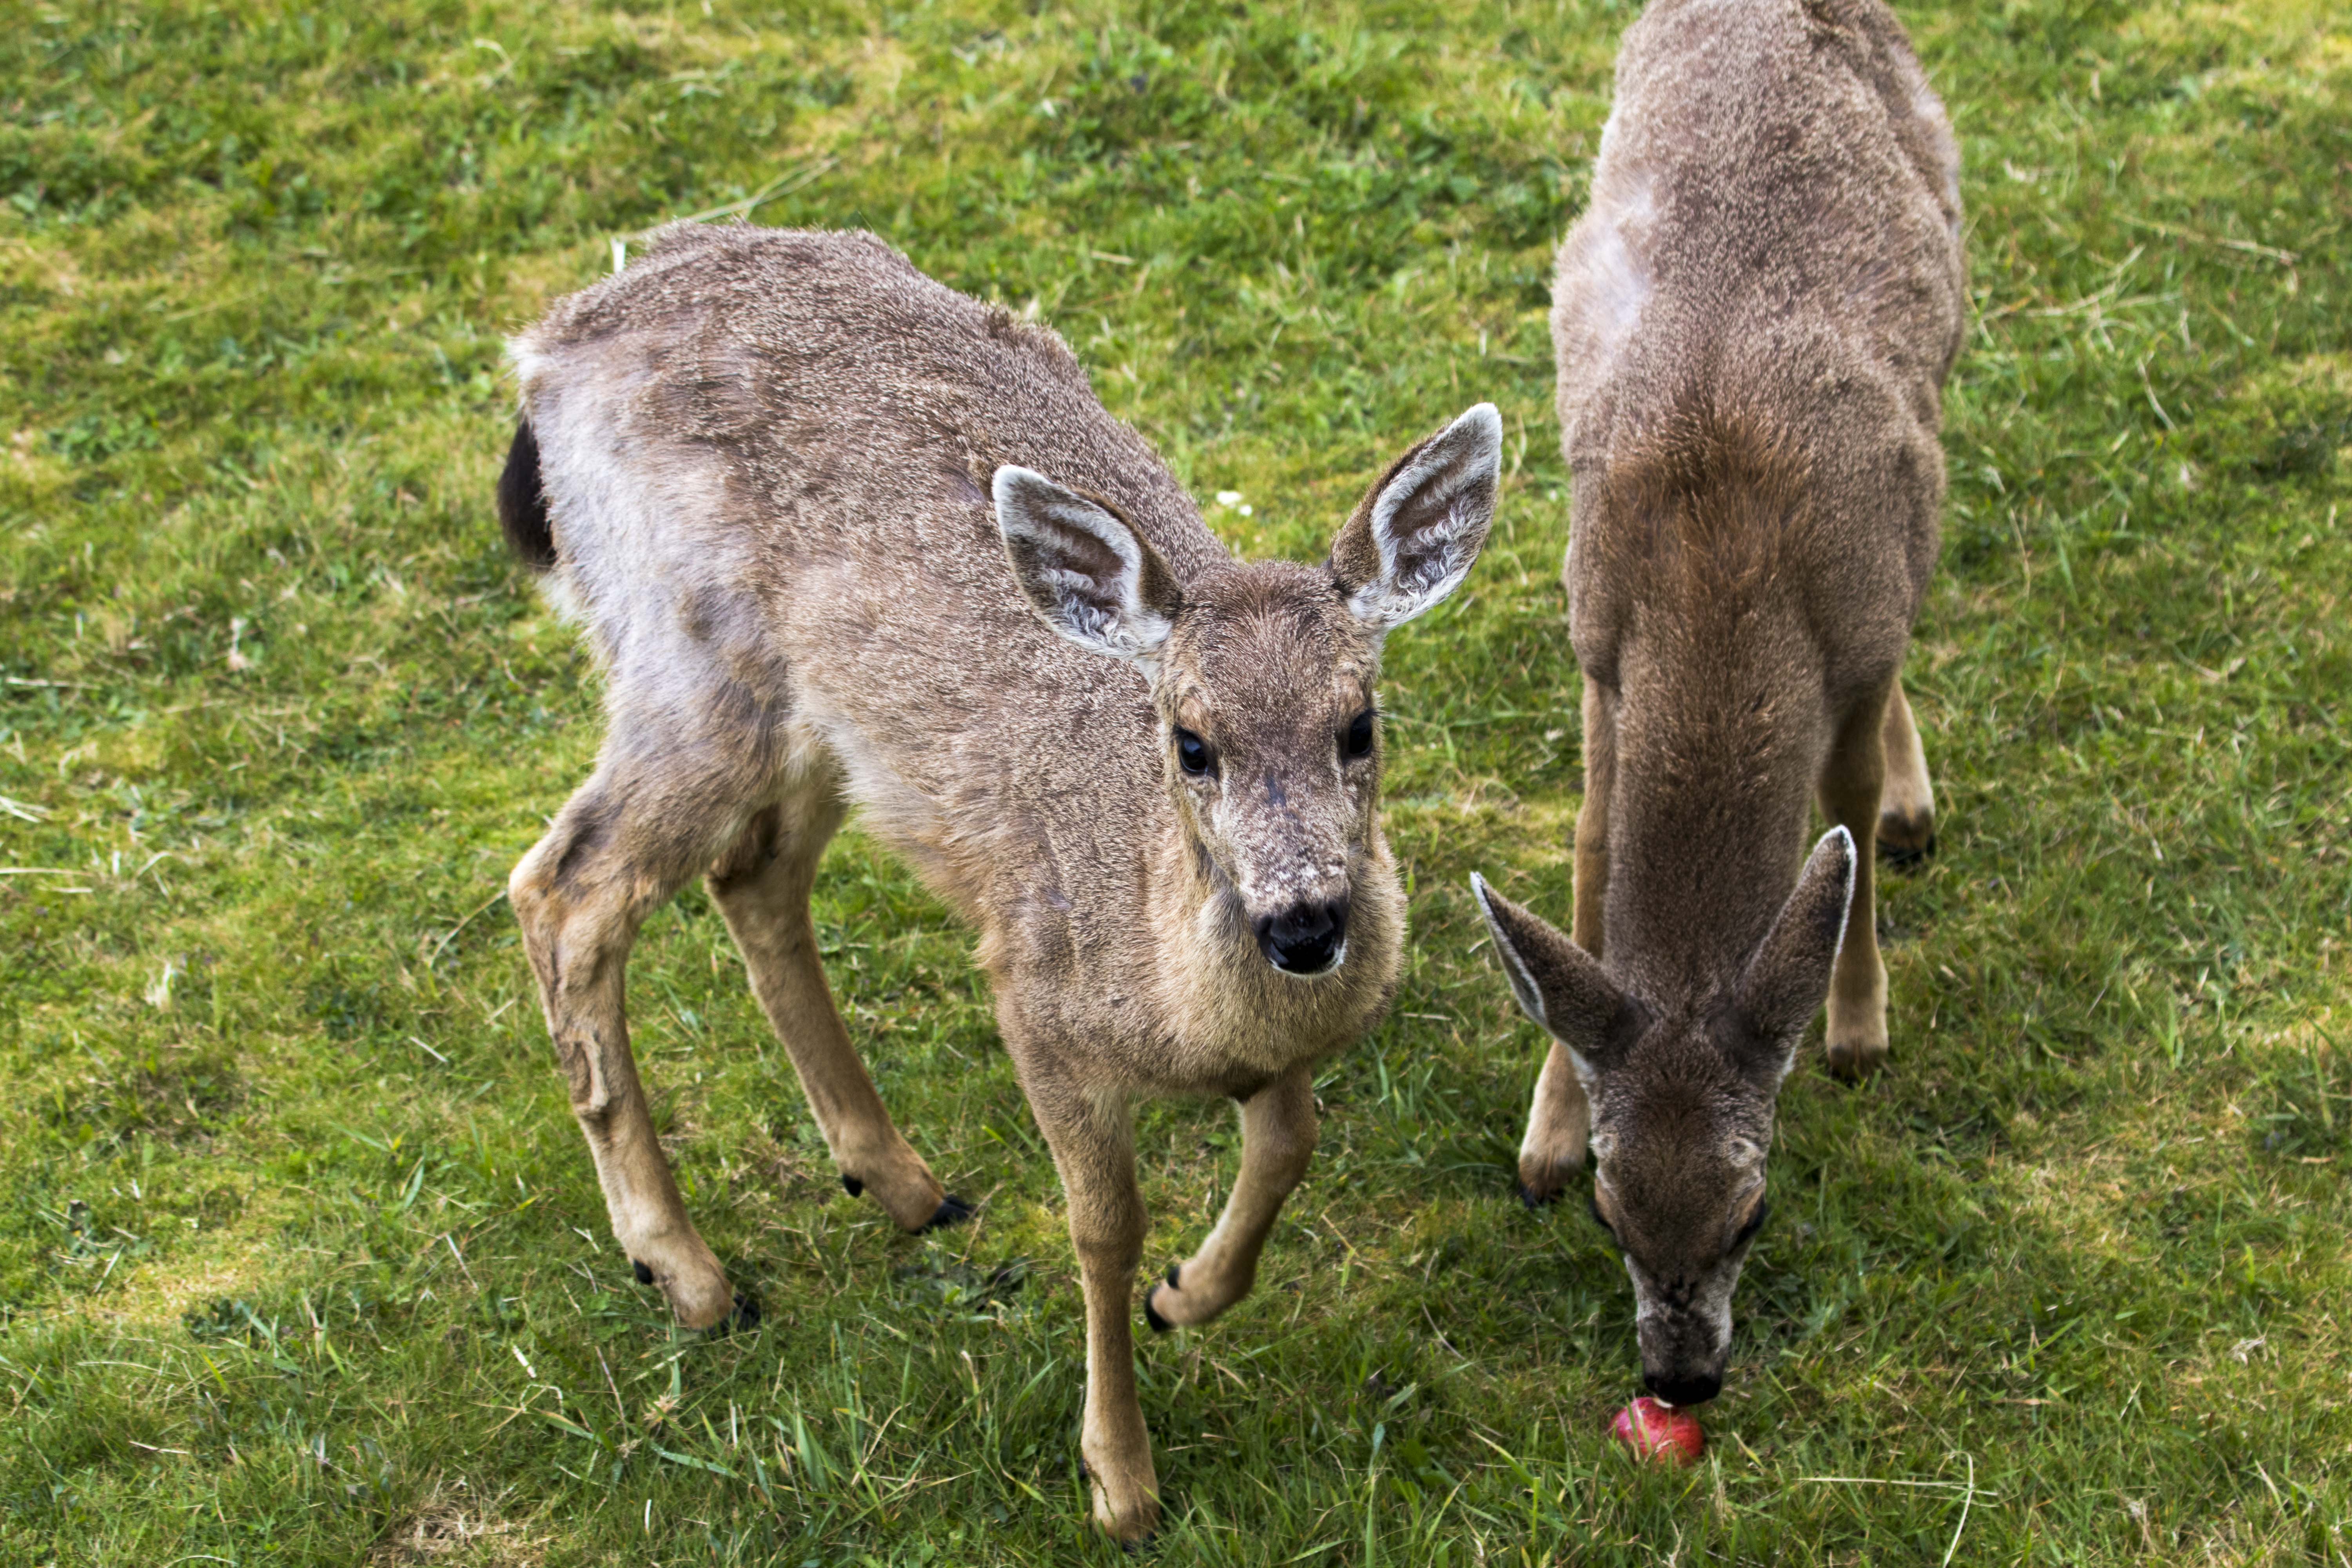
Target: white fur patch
[[1618, 290], [624, 564], [1515, 968], [1845, 840]]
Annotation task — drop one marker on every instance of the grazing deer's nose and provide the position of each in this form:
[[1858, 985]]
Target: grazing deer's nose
[[1683, 1390], [1305, 939]]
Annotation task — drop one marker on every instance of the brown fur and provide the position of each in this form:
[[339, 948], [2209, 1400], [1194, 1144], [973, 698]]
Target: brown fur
[[768, 460], [1753, 320]]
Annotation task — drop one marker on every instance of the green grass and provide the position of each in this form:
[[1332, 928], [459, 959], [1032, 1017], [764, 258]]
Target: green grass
[[301, 1259]]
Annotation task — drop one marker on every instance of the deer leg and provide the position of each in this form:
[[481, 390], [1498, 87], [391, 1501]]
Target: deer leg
[[1592, 817], [1907, 809], [1277, 1141], [613, 856], [1851, 788], [1560, 1122], [1093, 1139], [762, 884]]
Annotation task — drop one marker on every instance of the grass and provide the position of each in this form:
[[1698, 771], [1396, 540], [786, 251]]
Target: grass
[[301, 1259]]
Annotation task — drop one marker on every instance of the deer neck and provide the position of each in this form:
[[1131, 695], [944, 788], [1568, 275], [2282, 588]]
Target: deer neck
[[1708, 824]]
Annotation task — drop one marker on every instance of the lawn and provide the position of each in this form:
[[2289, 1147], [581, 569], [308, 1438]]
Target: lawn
[[301, 1258]]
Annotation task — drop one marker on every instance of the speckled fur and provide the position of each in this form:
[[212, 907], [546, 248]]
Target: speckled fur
[[767, 459], [1754, 319]]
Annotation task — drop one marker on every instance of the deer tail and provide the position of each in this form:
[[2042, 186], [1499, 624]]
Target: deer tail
[[522, 502]]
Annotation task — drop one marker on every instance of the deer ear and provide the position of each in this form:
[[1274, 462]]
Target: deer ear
[[1091, 576], [1559, 985], [1412, 538], [1787, 981]]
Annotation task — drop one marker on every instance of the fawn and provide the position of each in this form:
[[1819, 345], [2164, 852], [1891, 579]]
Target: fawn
[[1753, 322], [842, 538]]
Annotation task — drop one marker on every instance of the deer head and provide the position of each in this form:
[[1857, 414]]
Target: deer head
[[1682, 1093], [1263, 675]]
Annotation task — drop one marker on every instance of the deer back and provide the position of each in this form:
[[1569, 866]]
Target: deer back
[[1753, 321]]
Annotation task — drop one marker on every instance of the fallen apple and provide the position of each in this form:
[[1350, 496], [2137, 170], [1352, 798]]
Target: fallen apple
[[1654, 1429]]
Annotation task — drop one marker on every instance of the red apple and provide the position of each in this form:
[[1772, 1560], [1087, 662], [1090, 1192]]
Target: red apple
[[1656, 1430]]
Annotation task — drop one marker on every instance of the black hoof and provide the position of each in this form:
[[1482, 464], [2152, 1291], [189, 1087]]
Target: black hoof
[[1855, 1071], [747, 1312], [1899, 858], [1160, 1325], [645, 1275], [1534, 1203], [852, 1186], [952, 1210]]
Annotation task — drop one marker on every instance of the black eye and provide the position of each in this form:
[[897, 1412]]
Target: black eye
[[1747, 1231], [1193, 753], [1358, 740]]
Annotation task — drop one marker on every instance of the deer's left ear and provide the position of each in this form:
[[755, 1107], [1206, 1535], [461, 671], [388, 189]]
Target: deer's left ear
[[1788, 979], [1412, 538]]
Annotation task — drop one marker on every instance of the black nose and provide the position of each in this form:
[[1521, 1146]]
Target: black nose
[[1304, 938], [1683, 1390]]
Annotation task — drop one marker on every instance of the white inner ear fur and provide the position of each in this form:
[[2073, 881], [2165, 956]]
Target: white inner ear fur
[[1523, 985], [1464, 452], [1845, 905], [1844, 841], [1033, 509], [1515, 970]]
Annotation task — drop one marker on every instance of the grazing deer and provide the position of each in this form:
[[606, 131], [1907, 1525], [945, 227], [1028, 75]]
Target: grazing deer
[[1753, 319], [842, 536]]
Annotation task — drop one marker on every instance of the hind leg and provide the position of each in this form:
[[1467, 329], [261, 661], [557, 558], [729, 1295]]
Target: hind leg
[[617, 851], [762, 885], [1906, 803]]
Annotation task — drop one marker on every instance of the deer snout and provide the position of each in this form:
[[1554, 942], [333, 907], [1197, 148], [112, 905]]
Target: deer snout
[[1683, 1388], [1308, 937], [1684, 1348]]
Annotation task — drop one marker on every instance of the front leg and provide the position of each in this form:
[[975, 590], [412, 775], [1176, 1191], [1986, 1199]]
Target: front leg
[[1277, 1140], [1850, 790], [1093, 1139], [1591, 888], [1560, 1123]]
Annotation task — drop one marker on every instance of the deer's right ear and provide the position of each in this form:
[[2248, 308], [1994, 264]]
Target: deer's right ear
[[1787, 981], [1559, 985], [1090, 575]]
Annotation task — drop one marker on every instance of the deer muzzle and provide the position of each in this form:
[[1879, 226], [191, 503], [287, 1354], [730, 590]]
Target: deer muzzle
[[1684, 1352], [1308, 937]]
